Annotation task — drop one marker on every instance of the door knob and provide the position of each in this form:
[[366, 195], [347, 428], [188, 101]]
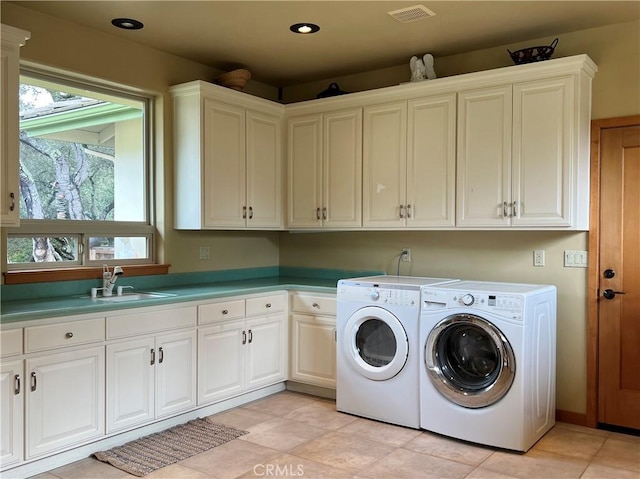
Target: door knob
[[609, 273], [610, 294]]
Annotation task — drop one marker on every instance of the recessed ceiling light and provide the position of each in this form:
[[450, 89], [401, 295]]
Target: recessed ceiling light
[[304, 28], [127, 23]]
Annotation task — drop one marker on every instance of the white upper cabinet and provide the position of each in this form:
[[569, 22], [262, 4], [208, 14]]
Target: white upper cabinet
[[523, 154], [325, 170], [384, 174], [409, 163], [484, 157], [503, 148], [12, 40], [228, 159]]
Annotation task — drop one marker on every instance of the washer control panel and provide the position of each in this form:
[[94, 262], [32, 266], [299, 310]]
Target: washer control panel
[[380, 295], [507, 305]]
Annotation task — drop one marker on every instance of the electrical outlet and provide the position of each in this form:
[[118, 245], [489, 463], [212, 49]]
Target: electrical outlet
[[406, 255], [204, 252], [538, 257]]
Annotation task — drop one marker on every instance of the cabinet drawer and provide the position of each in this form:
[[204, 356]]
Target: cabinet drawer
[[210, 313], [60, 335], [150, 322], [266, 304], [302, 303], [11, 342]]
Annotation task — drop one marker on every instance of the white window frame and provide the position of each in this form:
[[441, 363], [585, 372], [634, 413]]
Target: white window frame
[[91, 228]]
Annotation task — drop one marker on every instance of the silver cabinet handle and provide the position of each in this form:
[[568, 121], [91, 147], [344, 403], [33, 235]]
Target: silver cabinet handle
[[69, 335], [515, 209], [401, 211], [316, 305], [161, 355], [225, 311], [250, 336], [250, 212], [13, 201], [153, 356], [504, 209], [244, 337], [324, 213], [268, 305], [34, 381], [244, 212], [317, 213], [408, 211], [16, 384]]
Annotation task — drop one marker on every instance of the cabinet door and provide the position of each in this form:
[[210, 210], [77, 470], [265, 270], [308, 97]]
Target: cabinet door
[[221, 361], [264, 171], [11, 412], [542, 152], [431, 162], [65, 400], [313, 350], [267, 350], [304, 161], [384, 165], [9, 148], [175, 372], [342, 169], [224, 166], [130, 383], [484, 157]]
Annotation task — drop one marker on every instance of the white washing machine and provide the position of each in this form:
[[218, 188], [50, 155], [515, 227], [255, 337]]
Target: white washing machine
[[488, 362], [377, 347]]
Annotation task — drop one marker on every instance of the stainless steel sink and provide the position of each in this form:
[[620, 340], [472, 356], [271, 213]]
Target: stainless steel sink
[[130, 297]]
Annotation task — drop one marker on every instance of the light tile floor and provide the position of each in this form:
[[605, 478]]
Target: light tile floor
[[295, 435]]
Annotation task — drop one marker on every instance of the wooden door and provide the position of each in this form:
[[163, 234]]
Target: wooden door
[[11, 412], [619, 278], [266, 350]]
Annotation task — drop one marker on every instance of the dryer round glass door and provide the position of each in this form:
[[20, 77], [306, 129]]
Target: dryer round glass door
[[375, 343], [469, 361]]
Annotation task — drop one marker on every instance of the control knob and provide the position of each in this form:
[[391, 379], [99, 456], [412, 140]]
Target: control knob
[[375, 295], [467, 299]]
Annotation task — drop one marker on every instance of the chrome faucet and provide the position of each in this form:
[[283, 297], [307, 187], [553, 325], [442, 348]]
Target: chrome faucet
[[109, 279]]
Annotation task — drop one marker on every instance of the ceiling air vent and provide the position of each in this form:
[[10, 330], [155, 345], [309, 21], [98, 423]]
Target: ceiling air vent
[[411, 14]]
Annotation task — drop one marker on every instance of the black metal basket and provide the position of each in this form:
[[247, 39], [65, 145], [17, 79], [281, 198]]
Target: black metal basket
[[533, 54]]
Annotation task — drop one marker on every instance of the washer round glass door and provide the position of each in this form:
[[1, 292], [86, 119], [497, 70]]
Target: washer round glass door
[[375, 343], [469, 361]]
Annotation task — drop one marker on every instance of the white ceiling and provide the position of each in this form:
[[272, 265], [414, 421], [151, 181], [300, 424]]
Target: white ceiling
[[354, 36]]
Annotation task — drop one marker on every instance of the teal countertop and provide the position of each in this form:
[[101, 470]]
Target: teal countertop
[[78, 302]]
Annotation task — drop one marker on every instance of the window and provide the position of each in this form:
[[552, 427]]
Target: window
[[84, 185]]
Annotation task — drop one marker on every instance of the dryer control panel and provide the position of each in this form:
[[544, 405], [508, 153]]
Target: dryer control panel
[[384, 296], [507, 305]]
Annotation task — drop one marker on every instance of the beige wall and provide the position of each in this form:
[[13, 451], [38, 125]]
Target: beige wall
[[486, 255], [497, 256]]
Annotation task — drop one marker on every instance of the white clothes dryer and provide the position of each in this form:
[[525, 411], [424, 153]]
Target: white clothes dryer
[[377, 347], [488, 362]]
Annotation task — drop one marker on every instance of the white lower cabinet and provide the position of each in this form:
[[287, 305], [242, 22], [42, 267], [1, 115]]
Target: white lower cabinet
[[238, 355], [313, 347], [64, 400], [153, 376], [11, 412]]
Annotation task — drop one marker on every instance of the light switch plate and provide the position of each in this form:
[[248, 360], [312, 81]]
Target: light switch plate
[[575, 259]]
